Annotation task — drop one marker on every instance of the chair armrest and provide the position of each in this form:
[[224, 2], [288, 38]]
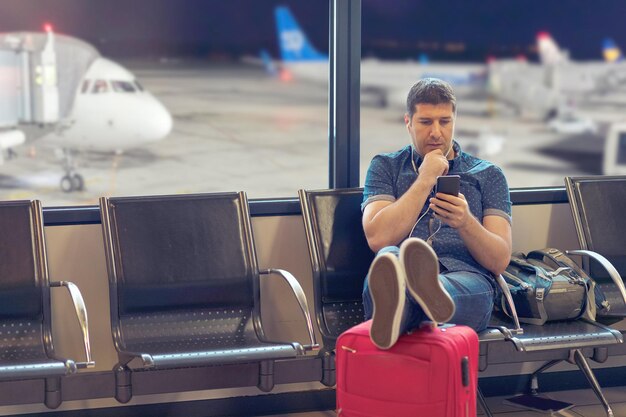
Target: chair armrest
[[301, 297], [509, 301], [81, 314], [608, 266]]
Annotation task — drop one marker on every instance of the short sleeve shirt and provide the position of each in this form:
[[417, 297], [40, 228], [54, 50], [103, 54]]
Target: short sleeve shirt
[[482, 183]]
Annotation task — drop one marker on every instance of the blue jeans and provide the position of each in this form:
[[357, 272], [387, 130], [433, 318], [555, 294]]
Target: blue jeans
[[472, 294]]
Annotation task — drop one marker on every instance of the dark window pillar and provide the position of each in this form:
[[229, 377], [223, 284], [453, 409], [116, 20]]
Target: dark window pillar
[[344, 93]]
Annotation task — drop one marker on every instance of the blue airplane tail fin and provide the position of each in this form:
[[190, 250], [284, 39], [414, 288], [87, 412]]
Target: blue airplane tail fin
[[611, 51], [293, 42]]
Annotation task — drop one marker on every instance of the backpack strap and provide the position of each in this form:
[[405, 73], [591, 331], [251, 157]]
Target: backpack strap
[[520, 260], [558, 258], [543, 314], [539, 296]]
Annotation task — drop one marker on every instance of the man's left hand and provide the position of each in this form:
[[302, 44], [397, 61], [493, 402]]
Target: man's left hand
[[451, 210]]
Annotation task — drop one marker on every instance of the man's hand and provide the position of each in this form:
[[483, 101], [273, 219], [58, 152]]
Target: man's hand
[[451, 210], [433, 165]]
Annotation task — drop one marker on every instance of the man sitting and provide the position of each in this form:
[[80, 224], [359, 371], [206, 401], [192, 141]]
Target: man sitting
[[450, 247]]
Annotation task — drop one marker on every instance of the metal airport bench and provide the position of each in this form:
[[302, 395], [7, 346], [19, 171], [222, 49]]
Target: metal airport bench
[[184, 286], [26, 347], [340, 258], [598, 205]]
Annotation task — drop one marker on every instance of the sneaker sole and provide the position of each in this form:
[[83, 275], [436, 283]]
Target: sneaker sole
[[388, 296], [422, 280]]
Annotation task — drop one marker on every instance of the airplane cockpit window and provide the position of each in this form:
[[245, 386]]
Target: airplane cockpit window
[[123, 86], [85, 87], [139, 86], [100, 86]]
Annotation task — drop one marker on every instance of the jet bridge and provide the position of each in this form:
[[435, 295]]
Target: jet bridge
[[39, 77]]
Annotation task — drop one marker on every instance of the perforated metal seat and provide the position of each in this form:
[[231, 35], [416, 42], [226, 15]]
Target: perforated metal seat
[[597, 204], [199, 337], [26, 348], [573, 334], [340, 316], [340, 258], [184, 286]]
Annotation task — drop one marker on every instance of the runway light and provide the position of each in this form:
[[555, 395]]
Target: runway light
[[47, 27]]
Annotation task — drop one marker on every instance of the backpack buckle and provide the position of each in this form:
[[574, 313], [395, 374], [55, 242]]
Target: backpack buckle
[[539, 293]]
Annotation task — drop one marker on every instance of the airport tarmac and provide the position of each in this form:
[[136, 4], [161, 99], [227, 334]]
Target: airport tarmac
[[236, 128]]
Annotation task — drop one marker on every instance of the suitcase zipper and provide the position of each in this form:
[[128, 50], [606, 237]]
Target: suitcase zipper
[[346, 348], [465, 381]]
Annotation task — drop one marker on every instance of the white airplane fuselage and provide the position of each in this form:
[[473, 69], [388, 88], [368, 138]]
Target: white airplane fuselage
[[394, 79], [111, 112]]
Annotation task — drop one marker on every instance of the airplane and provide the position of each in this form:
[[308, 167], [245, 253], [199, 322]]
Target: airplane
[[79, 100], [556, 84], [390, 81], [598, 75]]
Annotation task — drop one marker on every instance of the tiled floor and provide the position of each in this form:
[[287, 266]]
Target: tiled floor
[[587, 405]]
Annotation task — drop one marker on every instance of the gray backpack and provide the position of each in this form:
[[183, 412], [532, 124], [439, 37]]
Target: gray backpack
[[546, 285]]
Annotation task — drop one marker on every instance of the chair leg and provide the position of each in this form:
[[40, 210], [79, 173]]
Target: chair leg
[[53, 397], [533, 388], [329, 377], [266, 376], [483, 402], [123, 384], [584, 367]]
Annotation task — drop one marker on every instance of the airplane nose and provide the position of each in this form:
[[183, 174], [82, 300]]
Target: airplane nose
[[160, 122]]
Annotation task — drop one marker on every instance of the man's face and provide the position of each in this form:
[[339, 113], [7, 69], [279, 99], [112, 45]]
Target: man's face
[[432, 127]]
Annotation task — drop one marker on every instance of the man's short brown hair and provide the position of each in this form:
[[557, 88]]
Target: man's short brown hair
[[429, 91]]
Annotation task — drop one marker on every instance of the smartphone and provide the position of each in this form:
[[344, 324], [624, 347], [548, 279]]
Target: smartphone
[[448, 184]]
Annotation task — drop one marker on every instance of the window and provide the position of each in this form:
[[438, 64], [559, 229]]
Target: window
[[536, 104], [85, 87], [100, 86], [123, 86], [220, 112]]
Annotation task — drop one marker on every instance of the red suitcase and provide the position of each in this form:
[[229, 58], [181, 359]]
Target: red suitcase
[[432, 372]]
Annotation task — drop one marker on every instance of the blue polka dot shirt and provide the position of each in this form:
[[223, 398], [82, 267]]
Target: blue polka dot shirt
[[482, 183]]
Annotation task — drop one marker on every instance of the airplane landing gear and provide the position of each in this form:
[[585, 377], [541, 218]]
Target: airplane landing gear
[[72, 180]]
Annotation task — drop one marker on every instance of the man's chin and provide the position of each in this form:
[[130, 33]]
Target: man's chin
[[430, 148]]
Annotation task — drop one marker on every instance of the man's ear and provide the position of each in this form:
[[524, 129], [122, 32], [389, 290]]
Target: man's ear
[[407, 120]]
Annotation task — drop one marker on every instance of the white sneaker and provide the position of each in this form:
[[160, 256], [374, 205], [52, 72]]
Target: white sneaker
[[387, 287], [422, 280]]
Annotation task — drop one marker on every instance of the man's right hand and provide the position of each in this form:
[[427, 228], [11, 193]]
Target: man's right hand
[[434, 164]]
